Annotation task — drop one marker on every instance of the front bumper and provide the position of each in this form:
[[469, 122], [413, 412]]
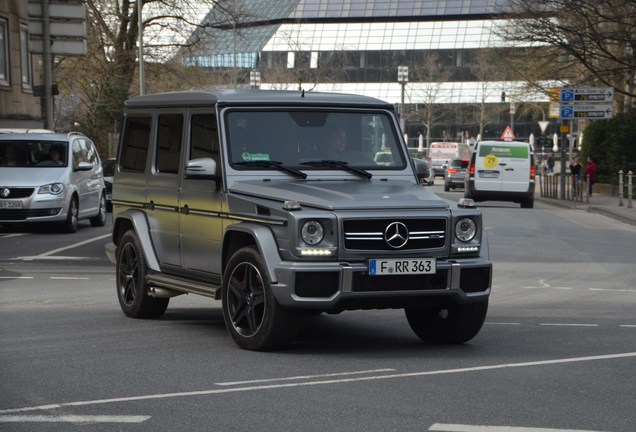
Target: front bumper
[[347, 286], [37, 208]]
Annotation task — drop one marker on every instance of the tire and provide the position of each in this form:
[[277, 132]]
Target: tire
[[72, 218], [252, 315], [529, 203], [450, 324], [100, 219], [131, 272], [446, 187]]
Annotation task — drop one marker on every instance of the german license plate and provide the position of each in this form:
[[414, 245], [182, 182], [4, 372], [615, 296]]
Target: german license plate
[[383, 267], [10, 204], [488, 174]]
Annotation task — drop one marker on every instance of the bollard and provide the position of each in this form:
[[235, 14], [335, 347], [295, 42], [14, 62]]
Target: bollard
[[630, 187], [587, 189], [620, 188]]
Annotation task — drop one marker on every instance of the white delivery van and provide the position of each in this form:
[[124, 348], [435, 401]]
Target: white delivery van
[[440, 154], [501, 171]]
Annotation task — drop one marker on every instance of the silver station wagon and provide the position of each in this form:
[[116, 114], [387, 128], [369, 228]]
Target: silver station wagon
[[50, 177], [275, 203]]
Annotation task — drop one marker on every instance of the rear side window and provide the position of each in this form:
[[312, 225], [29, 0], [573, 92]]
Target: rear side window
[[135, 141], [169, 134]]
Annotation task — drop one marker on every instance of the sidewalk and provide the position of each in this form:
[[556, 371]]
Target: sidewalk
[[602, 204]]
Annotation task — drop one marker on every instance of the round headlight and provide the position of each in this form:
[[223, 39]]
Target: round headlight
[[53, 189], [465, 229], [312, 232]]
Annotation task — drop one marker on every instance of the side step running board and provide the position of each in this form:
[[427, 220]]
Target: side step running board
[[162, 286]]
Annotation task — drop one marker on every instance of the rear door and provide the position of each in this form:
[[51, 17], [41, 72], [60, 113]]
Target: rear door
[[502, 167]]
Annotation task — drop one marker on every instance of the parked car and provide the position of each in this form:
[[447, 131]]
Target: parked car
[[109, 174], [455, 173], [229, 194], [50, 177]]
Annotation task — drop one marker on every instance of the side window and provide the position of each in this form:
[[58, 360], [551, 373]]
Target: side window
[[135, 142], [78, 154], [90, 153], [169, 134], [204, 140]]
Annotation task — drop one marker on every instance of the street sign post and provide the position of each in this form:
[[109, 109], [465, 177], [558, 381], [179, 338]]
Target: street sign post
[[590, 111]]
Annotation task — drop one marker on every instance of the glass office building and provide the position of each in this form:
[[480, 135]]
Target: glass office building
[[357, 46]]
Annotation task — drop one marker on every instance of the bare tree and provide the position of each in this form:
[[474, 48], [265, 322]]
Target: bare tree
[[596, 39], [99, 82]]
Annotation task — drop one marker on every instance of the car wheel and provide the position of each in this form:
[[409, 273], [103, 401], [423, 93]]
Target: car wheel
[[252, 315], [450, 324], [100, 219], [71, 222], [528, 203], [131, 272]]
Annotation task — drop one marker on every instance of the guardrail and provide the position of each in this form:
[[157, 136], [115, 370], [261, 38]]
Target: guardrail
[[576, 189]]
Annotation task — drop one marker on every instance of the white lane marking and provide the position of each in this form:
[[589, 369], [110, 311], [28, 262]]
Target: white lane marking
[[503, 323], [323, 382], [17, 277], [568, 325], [13, 235], [71, 246], [49, 258], [73, 419], [628, 325], [68, 278], [233, 383], [474, 428], [613, 290]]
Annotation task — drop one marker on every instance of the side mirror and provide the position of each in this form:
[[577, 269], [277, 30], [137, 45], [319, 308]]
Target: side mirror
[[84, 166], [202, 168], [422, 169]]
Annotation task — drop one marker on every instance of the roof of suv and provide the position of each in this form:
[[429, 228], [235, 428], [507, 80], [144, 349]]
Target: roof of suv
[[252, 97], [40, 135]]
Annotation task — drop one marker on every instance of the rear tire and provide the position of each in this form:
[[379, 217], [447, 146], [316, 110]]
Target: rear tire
[[252, 315], [449, 324], [528, 203], [131, 271], [100, 219]]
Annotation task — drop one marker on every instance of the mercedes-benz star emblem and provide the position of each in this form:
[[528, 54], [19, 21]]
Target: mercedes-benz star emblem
[[396, 235], [4, 192]]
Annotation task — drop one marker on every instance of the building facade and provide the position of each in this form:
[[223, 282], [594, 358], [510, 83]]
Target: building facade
[[360, 46], [19, 108]]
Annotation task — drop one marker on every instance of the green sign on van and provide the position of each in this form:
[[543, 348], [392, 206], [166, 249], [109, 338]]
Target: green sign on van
[[520, 152]]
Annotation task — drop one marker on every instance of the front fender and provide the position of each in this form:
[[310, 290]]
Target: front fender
[[265, 242], [137, 220]]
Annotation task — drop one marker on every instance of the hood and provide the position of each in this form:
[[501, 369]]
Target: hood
[[31, 177], [344, 195]]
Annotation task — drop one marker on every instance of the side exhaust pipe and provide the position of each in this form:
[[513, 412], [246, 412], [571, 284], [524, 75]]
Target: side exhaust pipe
[[163, 292]]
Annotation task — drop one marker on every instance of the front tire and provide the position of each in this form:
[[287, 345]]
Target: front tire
[[252, 315], [72, 217], [132, 291], [449, 324]]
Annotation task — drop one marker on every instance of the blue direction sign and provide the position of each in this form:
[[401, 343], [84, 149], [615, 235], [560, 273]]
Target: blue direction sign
[[591, 111], [587, 94]]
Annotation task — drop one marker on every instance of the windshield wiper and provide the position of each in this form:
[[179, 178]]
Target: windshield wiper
[[273, 164], [339, 164]]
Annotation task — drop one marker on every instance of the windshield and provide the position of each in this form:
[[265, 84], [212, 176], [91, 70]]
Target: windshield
[[33, 153], [313, 140]]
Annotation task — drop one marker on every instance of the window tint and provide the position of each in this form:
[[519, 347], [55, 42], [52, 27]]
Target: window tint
[[135, 143], [204, 140], [169, 133], [90, 153]]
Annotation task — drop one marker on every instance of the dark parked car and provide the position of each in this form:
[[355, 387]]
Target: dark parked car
[[109, 174], [455, 173]]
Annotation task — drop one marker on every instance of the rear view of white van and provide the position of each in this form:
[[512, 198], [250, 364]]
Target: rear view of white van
[[502, 171], [440, 154]]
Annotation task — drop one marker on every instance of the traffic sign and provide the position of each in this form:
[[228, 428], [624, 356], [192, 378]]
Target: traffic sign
[[507, 134], [587, 94], [591, 111]]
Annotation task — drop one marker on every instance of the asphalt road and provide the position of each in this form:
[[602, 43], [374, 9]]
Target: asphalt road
[[557, 352]]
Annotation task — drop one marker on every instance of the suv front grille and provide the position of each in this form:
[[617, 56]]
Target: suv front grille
[[373, 234]]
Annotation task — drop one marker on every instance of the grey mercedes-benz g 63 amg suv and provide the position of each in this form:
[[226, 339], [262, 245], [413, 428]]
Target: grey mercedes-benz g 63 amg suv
[[275, 203]]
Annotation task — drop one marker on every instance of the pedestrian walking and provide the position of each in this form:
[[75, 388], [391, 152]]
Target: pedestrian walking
[[590, 174], [576, 170]]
